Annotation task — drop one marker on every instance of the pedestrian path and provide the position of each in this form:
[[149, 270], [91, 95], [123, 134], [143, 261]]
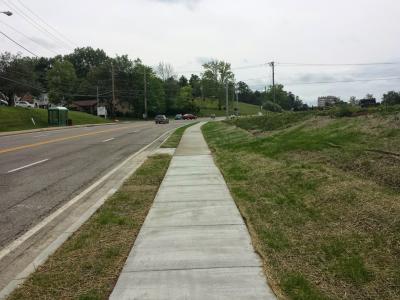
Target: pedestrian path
[[194, 243]]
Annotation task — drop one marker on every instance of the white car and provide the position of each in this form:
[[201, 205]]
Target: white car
[[23, 104], [3, 102]]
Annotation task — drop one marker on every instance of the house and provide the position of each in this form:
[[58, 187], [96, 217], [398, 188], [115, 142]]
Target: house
[[42, 101], [87, 106], [328, 101]]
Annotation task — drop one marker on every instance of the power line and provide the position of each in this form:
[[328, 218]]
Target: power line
[[27, 37], [338, 64], [18, 44], [51, 27], [22, 83], [33, 22], [344, 81], [337, 81]]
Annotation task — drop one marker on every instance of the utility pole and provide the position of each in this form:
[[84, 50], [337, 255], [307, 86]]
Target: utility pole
[[272, 64], [113, 91], [227, 100], [145, 92], [97, 98], [97, 95]]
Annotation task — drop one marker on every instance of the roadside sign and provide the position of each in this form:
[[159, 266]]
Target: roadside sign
[[102, 111]]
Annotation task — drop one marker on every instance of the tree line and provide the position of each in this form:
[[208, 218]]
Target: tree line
[[88, 73]]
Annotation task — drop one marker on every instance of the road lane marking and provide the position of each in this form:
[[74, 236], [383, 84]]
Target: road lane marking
[[105, 141], [6, 150], [27, 166]]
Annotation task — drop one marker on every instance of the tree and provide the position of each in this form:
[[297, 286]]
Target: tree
[[185, 103], [353, 100], [391, 98], [84, 59], [195, 83], [369, 96], [61, 81], [165, 71], [18, 76], [216, 75], [171, 88], [183, 81]]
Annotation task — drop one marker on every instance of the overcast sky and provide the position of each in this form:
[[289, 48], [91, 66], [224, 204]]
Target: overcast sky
[[187, 33]]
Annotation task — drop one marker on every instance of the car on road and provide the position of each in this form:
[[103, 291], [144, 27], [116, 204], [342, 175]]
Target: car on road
[[23, 104], [178, 117], [189, 117], [3, 102], [161, 119]]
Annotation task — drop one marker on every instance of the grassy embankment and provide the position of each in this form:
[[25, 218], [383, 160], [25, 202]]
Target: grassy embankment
[[176, 136], [209, 107], [88, 264], [321, 197], [18, 118]]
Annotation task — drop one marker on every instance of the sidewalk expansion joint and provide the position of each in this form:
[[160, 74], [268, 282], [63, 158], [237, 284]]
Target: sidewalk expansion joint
[[198, 200], [193, 269], [186, 225]]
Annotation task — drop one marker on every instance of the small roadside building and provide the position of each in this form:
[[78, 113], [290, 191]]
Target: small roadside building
[[87, 106]]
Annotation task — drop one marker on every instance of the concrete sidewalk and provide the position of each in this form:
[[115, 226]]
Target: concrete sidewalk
[[193, 244]]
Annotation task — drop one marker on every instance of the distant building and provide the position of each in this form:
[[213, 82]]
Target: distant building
[[328, 101], [367, 102], [88, 106], [43, 101]]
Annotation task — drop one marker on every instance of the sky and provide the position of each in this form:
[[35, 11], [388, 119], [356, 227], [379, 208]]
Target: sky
[[311, 41]]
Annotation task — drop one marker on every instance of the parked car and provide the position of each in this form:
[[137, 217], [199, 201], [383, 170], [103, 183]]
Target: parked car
[[189, 117], [161, 119], [178, 117], [3, 102], [23, 104]]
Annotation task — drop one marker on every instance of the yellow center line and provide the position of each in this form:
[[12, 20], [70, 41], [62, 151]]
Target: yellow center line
[[6, 150]]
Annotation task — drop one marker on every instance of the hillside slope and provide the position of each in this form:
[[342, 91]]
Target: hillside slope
[[18, 118], [321, 197], [208, 107]]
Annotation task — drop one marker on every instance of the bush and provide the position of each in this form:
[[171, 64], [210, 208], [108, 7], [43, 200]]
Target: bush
[[271, 106]]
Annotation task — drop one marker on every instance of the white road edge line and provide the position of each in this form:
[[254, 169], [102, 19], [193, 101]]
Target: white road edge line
[[16, 243], [27, 166], [105, 141]]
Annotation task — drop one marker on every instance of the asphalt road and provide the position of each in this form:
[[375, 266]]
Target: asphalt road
[[41, 171]]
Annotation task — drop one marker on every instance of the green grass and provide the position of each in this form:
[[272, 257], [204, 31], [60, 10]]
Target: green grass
[[209, 107], [175, 138], [18, 118], [88, 264], [321, 199]]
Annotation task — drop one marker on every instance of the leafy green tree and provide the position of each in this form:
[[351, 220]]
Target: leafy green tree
[[18, 76], [61, 81], [216, 75], [195, 83], [391, 98], [84, 59], [183, 81], [171, 88], [185, 103]]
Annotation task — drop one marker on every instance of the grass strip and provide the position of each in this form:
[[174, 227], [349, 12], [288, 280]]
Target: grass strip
[[322, 211], [88, 264], [175, 138]]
